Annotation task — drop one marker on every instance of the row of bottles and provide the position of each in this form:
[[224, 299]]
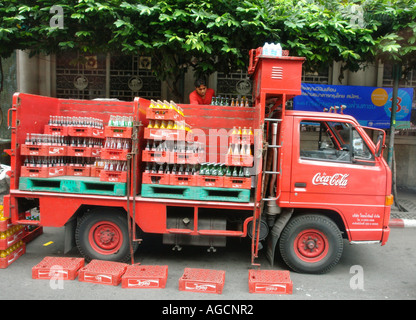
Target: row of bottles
[[2, 217], [272, 49], [11, 249], [220, 169], [205, 169], [65, 121], [231, 102], [10, 231], [50, 162], [166, 105], [171, 169], [239, 149], [115, 165], [120, 121], [117, 143], [244, 131], [168, 124], [175, 146], [57, 140]]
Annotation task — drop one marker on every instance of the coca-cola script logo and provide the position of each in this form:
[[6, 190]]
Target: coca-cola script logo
[[337, 179]]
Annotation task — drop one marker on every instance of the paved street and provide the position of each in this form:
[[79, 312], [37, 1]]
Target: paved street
[[364, 272]]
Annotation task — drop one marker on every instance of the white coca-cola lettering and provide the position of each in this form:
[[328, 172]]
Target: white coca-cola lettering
[[337, 179]]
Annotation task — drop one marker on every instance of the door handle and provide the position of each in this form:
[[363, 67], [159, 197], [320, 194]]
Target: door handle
[[300, 184]]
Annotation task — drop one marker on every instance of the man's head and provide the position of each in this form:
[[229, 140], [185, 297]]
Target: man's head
[[201, 87]]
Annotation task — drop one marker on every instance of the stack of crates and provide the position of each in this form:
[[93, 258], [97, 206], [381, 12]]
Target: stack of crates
[[116, 148], [77, 155], [11, 241], [69, 146], [170, 156], [175, 165]]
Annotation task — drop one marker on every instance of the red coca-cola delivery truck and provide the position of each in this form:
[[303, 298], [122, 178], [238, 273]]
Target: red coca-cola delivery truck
[[298, 183]]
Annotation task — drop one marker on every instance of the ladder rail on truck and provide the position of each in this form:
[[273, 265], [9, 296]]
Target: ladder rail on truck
[[107, 226]]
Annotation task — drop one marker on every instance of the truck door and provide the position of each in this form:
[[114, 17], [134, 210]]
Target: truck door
[[334, 169]]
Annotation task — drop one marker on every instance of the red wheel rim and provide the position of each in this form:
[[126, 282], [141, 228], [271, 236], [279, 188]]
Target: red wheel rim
[[105, 237], [311, 245]]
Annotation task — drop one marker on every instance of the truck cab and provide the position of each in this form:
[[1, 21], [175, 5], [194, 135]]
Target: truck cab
[[332, 171]]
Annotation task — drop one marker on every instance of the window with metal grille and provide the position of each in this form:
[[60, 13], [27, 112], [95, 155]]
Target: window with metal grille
[[92, 76]]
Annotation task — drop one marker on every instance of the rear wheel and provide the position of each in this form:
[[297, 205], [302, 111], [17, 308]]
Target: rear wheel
[[311, 244], [103, 234]]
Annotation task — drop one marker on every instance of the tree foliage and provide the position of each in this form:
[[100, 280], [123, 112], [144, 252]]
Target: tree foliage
[[215, 35]]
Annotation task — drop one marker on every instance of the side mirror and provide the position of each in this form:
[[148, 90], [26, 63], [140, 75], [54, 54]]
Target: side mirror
[[379, 145]]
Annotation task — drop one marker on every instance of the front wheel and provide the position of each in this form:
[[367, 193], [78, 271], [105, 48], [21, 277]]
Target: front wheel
[[311, 244], [103, 234]]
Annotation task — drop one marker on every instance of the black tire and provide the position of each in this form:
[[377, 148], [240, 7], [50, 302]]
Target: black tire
[[103, 234], [311, 244]]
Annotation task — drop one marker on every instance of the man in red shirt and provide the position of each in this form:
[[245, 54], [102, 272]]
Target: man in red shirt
[[202, 94]]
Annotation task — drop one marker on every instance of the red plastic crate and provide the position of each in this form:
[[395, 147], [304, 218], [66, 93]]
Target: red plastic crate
[[237, 182], [237, 160], [145, 277], [5, 224], [156, 178], [187, 158], [45, 172], [78, 171], [202, 280], [241, 138], [57, 130], [163, 134], [270, 281], [118, 132], [95, 171], [163, 114], [38, 150], [103, 272], [96, 152], [156, 156], [74, 131], [114, 154], [183, 180], [12, 239], [8, 260], [113, 176], [57, 268], [79, 151], [210, 181]]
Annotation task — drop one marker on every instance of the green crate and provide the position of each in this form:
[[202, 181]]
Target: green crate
[[223, 194], [70, 184], [167, 191]]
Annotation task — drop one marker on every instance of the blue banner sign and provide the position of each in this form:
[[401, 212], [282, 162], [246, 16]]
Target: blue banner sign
[[371, 106]]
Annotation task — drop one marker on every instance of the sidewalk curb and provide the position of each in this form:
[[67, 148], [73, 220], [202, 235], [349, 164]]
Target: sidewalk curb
[[402, 223]]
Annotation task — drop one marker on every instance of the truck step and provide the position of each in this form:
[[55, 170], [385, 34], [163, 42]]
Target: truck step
[[202, 280], [71, 184], [195, 193], [57, 268], [269, 281], [144, 277]]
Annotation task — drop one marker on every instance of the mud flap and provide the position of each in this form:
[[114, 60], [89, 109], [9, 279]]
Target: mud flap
[[69, 242], [274, 236]]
